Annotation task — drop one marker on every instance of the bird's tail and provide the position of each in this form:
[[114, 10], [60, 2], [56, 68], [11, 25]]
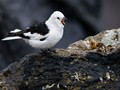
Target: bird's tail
[[12, 35]]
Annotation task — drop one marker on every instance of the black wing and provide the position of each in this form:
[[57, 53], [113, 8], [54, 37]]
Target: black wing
[[40, 28]]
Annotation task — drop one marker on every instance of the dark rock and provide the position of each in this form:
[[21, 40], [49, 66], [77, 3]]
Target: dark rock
[[66, 69]]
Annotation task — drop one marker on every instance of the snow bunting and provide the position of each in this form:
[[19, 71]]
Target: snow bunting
[[43, 35]]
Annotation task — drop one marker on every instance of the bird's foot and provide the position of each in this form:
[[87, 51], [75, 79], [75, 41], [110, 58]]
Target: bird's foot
[[47, 51], [43, 51], [51, 50]]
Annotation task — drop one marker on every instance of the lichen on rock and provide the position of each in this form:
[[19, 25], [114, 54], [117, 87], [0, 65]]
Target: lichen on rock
[[112, 37], [104, 42]]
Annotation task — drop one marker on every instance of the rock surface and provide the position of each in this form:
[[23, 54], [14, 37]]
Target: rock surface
[[90, 64]]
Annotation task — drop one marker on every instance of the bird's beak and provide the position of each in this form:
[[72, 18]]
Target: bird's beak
[[63, 20]]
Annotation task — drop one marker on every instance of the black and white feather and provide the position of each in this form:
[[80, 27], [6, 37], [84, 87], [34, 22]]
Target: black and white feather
[[43, 35]]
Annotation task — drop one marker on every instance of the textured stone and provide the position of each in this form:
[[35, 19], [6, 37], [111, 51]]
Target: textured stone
[[79, 67]]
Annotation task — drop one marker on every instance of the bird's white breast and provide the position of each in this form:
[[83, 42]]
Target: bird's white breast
[[54, 35]]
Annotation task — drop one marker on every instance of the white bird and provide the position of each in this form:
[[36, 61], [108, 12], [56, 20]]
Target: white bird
[[43, 35]]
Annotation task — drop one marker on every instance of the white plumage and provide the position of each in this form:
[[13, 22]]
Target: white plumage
[[41, 36]]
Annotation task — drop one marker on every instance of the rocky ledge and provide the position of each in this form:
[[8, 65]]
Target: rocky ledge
[[90, 64]]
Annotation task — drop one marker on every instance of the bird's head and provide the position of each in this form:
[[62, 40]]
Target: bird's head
[[57, 19]]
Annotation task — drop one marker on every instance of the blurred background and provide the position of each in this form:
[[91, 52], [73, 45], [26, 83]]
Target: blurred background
[[85, 18]]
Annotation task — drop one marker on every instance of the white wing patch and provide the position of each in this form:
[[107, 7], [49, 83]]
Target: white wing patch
[[15, 31], [34, 36]]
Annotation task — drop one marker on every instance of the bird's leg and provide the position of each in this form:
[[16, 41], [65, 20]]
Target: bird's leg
[[51, 50], [48, 53], [44, 51]]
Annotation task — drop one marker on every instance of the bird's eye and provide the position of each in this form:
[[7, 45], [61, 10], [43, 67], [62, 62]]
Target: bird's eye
[[58, 18]]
